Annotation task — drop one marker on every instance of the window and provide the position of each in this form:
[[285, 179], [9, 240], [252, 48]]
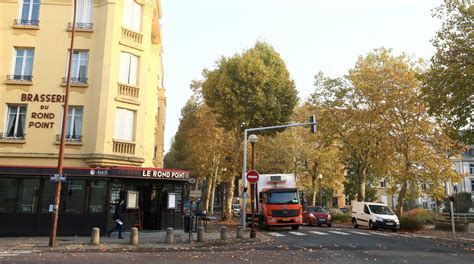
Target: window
[[84, 14], [75, 196], [132, 15], [15, 126], [48, 196], [383, 184], [97, 197], [366, 209], [23, 64], [8, 192], [124, 123], [29, 13], [79, 66], [471, 169], [470, 152], [29, 196], [472, 185], [128, 68], [178, 189], [74, 123]]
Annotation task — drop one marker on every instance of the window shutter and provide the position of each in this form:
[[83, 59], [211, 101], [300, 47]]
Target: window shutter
[[133, 70], [128, 125], [124, 67], [137, 16], [128, 14]]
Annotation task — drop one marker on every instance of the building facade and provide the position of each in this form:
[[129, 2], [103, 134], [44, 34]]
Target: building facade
[[117, 103]]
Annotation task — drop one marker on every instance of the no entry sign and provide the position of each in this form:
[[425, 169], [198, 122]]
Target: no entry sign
[[252, 176]]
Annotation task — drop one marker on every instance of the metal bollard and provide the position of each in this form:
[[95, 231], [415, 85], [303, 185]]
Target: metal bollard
[[200, 235], [95, 236], [134, 236], [240, 231], [169, 235], [223, 232]]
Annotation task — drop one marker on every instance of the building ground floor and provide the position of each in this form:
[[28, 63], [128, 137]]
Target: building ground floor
[[154, 199]]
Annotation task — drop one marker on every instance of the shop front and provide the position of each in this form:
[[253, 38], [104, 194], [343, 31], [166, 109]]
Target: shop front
[[153, 199]]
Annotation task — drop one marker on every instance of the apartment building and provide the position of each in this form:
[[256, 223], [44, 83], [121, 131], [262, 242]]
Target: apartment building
[[115, 121]]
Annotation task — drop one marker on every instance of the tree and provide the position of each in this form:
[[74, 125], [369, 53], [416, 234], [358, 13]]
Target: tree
[[448, 84], [251, 89]]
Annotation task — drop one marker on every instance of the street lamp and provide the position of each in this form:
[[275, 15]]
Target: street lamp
[[320, 177], [252, 140]]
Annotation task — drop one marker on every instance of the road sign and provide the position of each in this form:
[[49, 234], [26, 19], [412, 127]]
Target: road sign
[[192, 180], [57, 178], [252, 176], [195, 194]]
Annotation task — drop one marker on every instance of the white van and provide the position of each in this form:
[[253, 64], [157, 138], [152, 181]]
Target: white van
[[374, 216]]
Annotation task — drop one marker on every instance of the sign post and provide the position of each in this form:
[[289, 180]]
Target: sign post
[[252, 177]]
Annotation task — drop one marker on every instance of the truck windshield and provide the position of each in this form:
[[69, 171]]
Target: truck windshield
[[380, 209], [283, 198]]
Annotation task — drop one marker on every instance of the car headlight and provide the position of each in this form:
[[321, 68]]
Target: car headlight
[[311, 215], [329, 217]]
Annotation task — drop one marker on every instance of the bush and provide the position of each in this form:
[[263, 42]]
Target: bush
[[410, 223], [341, 218], [422, 215]]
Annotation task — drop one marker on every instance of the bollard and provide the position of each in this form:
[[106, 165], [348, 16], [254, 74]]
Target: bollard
[[95, 236], [223, 232], [134, 236], [240, 231], [169, 235], [200, 235]]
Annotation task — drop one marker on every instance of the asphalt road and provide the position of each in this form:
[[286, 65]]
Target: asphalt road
[[307, 245]]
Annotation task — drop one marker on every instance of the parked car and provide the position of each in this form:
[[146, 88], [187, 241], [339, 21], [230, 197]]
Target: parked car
[[236, 209], [317, 215], [374, 216]]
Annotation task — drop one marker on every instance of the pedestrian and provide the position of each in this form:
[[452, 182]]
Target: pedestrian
[[118, 218]]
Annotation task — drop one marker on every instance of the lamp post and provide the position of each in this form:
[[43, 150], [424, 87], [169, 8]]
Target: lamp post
[[252, 140], [320, 177]]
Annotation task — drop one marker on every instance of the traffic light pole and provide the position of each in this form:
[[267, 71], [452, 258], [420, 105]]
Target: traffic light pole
[[313, 123]]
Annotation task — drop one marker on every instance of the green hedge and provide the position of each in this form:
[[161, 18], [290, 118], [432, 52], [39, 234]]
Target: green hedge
[[341, 218], [410, 223]]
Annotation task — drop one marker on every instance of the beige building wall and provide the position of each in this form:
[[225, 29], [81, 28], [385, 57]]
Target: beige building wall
[[100, 96]]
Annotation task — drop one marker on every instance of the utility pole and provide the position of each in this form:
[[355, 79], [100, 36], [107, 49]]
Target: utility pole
[[57, 187]]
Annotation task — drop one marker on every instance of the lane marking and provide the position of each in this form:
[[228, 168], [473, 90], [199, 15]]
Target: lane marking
[[319, 233], [276, 234], [340, 233], [381, 234], [360, 233], [297, 233]]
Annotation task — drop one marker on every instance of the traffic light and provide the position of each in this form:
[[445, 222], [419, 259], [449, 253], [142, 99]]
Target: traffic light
[[314, 125]]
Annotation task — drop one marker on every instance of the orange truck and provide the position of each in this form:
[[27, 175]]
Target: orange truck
[[278, 201]]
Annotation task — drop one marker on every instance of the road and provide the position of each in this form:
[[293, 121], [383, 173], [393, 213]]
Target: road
[[307, 245]]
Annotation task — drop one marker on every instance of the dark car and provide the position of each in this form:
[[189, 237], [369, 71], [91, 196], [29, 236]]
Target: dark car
[[317, 215]]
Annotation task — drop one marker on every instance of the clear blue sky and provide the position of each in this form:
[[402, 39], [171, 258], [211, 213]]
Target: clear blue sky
[[310, 35]]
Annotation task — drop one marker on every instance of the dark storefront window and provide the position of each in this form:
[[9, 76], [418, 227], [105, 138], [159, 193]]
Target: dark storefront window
[[115, 192], [75, 196], [29, 196], [48, 196], [8, 193], [97, 197]]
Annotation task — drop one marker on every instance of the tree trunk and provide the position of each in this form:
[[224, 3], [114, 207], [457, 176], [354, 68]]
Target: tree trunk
[[313, 186], [362, 181], [227, 210], [213, 192], [207, 193], [401, 198]]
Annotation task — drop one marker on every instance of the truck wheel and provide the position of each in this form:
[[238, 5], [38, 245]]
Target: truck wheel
[[295, 227], [264, 225], [354, 223]]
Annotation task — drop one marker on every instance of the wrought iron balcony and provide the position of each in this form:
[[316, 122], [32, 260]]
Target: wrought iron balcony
[[10, 136], [87, 26], [24, 22], [20, 78], [76, 80], [76, 138]]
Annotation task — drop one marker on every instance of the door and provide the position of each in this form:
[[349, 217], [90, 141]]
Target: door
[[149, 206]]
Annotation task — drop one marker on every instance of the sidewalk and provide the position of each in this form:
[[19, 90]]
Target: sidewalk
[[148, 240]]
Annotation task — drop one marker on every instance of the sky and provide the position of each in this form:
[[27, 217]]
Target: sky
[[309, 35]]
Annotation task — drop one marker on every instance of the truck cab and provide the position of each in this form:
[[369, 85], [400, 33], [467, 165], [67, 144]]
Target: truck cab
[[278, 201]]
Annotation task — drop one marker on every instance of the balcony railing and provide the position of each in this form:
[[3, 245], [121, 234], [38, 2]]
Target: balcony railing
[[80, 25], [76, 80], [128, 92], [70, 138], [9, 136], [124, 147], [23, 22], [20, 78], [131, 37]]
